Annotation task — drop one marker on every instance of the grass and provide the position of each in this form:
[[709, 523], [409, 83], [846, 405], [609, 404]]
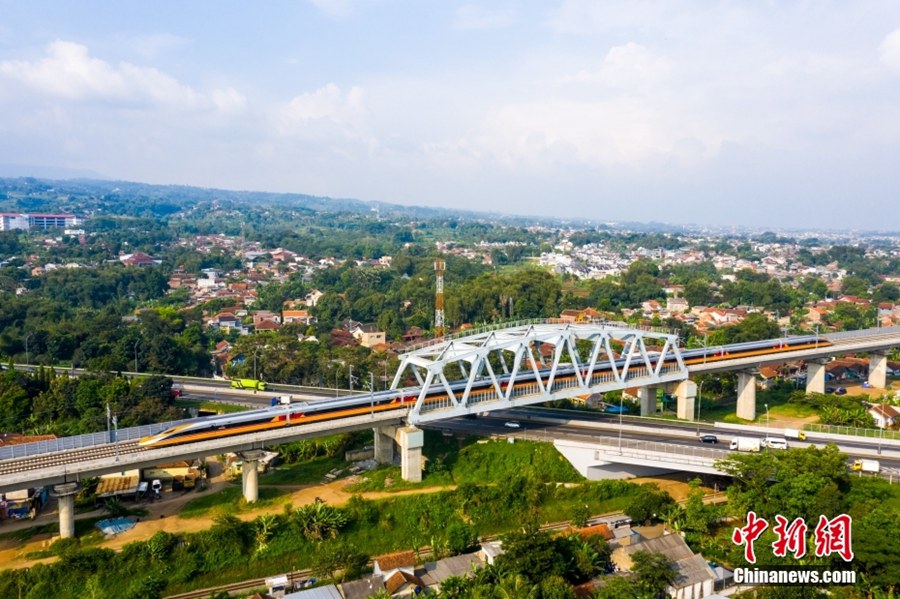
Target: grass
[[230, 500], [84, 530], [453, 461], [304, 473]]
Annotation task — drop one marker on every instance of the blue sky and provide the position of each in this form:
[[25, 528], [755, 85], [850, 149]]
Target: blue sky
[[771, 114]]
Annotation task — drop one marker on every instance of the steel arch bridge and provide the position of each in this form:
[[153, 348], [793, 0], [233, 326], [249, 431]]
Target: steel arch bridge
[[534, 363]]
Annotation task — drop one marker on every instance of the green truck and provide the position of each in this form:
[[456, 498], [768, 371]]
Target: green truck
[[248, 384]]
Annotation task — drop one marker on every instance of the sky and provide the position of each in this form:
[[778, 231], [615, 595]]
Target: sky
[[744, 113]]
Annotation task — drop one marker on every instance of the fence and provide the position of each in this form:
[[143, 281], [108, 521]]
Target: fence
[[80, 441]]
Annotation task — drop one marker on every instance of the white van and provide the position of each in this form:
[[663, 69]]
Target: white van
[[775, 442]]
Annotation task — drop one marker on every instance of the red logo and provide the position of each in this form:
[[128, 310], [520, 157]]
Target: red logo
[[830, 536]]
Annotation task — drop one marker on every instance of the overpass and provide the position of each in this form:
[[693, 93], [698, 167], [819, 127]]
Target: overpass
[[491, 369]]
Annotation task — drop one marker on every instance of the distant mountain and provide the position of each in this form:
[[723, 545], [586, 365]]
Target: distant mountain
[[46, 172], [33, 192]]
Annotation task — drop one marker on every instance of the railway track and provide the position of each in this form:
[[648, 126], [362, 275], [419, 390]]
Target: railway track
[[85, 454]]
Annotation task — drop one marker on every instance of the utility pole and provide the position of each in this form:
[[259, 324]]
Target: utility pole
[[372, 394], [439, 298], [115, 421], [351, 379]]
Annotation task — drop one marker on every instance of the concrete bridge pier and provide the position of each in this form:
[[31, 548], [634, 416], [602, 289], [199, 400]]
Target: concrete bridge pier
[[685, 393], [815, 376], [746, 394], [878, 370], [65, 493], [647, 395], [250, 473], [384, 444], [410, 440]]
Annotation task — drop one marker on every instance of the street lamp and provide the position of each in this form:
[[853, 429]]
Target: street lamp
[[699, 403], [136, 343], [115, 421], [621, 397], [372, 394], [705, 341], [767, 417], [27, 355]]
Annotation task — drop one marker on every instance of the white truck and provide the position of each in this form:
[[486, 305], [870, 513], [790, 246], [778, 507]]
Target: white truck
[[871, 466], [745, 444], [792, 433]]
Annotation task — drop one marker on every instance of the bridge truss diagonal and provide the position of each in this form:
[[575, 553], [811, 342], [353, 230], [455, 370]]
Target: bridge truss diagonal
[[532, 364]]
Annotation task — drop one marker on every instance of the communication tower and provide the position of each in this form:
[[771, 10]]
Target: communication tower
[[439, 298]]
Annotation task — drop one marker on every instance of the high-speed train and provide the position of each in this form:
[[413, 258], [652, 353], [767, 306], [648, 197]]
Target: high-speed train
[[251, 421]]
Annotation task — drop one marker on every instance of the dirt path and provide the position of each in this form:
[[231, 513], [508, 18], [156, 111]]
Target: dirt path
[[163, 515]]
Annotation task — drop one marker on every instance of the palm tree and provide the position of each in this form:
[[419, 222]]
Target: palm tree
[[516, 586]]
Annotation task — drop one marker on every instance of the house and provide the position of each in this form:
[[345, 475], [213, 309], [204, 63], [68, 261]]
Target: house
[[413, 334], [693, 576], [138, 259], [297, 316], [267, 325], [677, 304], [387, 564], [325, 592], [885, 415], [434, 573], [312, 298], [261, 316], [490, 551], [362, 588], [368, 335], [228, 322], [396, 572]]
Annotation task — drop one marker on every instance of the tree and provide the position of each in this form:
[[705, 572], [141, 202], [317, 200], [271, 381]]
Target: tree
[[265, 526], [755, 327], [532, 554], [698, 292], [698, 517], [649, 504], [319, 520], [653, 572], [804, 483], [332, 558], [852, 285]]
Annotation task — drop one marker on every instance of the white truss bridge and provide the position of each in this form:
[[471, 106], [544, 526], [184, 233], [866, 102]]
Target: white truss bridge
[[534, 363]]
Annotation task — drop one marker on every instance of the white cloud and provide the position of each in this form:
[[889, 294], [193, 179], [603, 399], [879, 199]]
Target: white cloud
[[890, 50], [630, 66], [228, 101], [471, 16], [328, 115], [68, 72]]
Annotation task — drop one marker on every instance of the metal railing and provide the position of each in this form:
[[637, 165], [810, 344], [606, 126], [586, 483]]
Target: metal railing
[[855, 431], [23, 450], [487, 328]]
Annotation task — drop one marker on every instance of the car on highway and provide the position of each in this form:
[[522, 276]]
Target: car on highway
[[709, 439], [512, 424]]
